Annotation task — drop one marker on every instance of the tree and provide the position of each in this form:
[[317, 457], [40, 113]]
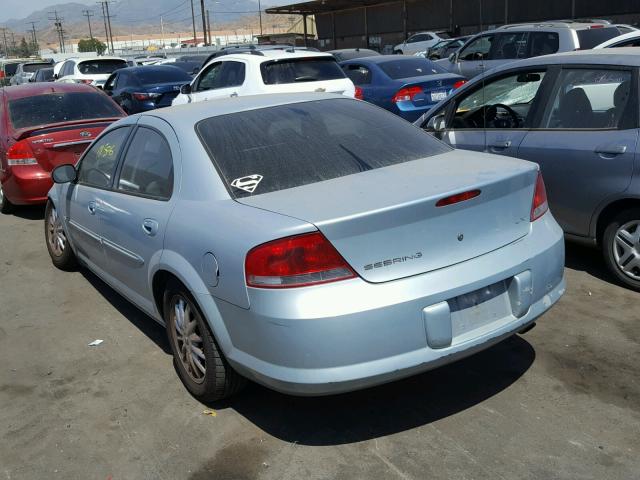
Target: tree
[[24, 50], [91, 45]]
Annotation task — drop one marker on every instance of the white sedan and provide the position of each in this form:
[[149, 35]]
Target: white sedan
[[267, 71]]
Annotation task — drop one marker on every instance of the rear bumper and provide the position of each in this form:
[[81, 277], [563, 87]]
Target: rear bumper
[[352, 334], [26, 185]]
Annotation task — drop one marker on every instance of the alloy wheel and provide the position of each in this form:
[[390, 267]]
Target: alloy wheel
[[187, 338], [55, 233], [626, 249]]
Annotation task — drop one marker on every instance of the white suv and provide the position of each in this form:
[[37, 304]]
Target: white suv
[[91, 71], [418, 42], [266, 71]]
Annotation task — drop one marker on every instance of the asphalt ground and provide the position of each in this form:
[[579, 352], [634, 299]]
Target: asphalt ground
[[560, 402]]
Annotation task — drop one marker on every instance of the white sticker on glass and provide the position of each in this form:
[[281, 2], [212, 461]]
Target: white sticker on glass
[[248, 183]]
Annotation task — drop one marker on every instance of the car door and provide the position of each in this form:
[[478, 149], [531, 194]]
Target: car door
[[85, 197], [219, 80], [494, 115], [135, 213], [586, 140]]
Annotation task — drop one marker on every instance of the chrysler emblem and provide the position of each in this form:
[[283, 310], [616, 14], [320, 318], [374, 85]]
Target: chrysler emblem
[[460, 237], [84, 133]]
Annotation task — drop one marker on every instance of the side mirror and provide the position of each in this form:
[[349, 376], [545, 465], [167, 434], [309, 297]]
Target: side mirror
[[436, 124], [195, 71], [185, 89], [453, 58], [55, 76], [64, 174]]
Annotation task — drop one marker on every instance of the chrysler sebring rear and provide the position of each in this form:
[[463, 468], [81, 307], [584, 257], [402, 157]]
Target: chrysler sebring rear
[[311, 243]]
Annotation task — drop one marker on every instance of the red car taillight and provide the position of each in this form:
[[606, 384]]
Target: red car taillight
[[458, 84], [1, 73], [145, 96], [20, 153], [406, 94], [296, 261], [540, 205], [359, 94]]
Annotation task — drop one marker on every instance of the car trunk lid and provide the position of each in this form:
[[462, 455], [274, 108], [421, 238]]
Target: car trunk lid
[[167, 91], [434, 88], [386, 224]]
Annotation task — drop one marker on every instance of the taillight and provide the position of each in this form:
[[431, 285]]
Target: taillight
[[540, 205], [1, 73], [457, 198], [20, 153], [296, 261], [359, 94], [406, 94], [86, 81], [458, 84], [145, 96]]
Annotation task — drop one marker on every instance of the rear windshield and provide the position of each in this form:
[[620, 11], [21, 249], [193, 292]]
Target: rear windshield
[[301, 70], [595, 36], [32, 67], [149, 75], [275, 148], [100, 67], [410, 67], [10, 69], [60, 107], [45, 74]]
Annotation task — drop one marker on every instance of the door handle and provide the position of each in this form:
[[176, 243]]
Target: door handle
[[92, 207], [234, 94], [501, 145], [150, 226], [611, 149]]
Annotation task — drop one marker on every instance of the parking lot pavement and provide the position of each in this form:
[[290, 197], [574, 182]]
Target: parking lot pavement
[[562, 401]]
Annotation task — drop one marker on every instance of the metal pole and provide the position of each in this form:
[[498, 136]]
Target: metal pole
[[260, 16], [204, 22], [106, 31], [162, 31], [304, 19], [109, 23], [88, 14], [193, 21], [209, 27]]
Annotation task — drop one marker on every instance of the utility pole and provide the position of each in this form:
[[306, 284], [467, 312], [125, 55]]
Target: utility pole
[[106, 30], [193, 20], [58, 24], [204, 22], [209, 27], [34, 38], [6, 46], [260, 16], [88, 14], [162, 31], [106, 5]]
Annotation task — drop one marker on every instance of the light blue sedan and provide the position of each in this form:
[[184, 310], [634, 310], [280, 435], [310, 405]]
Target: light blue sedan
[[309, 242]]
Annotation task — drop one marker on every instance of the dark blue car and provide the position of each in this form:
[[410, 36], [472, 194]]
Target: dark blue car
[[406, 86], [138, 89]]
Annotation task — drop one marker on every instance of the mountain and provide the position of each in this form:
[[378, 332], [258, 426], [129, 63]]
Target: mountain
[[134, 16]]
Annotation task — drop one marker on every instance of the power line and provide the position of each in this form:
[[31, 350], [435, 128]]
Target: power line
[[88, 14]]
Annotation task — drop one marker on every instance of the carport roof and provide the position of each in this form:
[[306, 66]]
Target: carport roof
[[322, 6]]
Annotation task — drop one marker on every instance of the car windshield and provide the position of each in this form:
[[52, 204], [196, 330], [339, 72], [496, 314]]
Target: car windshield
[[149, 75], [301, 70], [60, 107], [100, 67], [410, 67], [32, 67], [297, 144]]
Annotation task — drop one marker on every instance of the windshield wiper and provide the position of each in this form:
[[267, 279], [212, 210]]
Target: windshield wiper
[[306, 78]]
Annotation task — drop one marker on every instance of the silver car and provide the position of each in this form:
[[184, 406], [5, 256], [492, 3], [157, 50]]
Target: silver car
[[309, 242], [575, 114]]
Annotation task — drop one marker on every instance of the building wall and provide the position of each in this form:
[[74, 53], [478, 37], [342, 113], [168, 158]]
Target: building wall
[[385, 25]]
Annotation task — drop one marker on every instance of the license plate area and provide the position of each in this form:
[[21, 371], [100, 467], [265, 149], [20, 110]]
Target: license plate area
[[438, 96], [478, 312]]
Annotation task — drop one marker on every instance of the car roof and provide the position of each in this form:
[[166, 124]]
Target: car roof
[[149, 68], [259, 56], [559, 25], [189, 114], [386, 58], [625, 56], [92, 59], [358, 49], [31, 89]]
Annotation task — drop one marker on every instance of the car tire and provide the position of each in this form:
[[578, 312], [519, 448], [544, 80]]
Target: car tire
[[6, 206], [183, 315], [55, 237], [621, 247]]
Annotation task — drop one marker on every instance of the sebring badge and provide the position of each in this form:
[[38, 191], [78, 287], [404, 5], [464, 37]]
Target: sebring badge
[[248, 183]]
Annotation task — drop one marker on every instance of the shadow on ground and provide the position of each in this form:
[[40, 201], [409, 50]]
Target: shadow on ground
[[137, 317], [30, 213], [390, 408], [587, 259]]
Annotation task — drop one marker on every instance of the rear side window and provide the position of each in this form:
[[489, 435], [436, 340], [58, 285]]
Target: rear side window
[[592, 37], [60, 107], [300, 70], [10, 69], [507, 46], [410, 67], [100, 67], [286, 146], [98, 164], [148, 166], [544, 43]]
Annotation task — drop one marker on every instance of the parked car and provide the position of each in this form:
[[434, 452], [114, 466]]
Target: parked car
[[631, 39], [248, 48], [406, 86], [576, 114], [351, 53], [25, 71], [8, 69], [443, 49], [42, 126], [512, 42], [418, 42], [624, 28], [138, 89], [257, 266], [267, 71], [91, 71], [42, 75]]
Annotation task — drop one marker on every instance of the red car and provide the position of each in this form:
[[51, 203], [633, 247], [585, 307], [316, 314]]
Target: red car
[[43, 125]]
